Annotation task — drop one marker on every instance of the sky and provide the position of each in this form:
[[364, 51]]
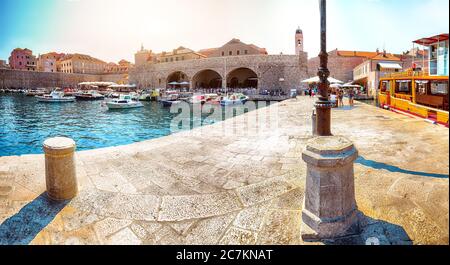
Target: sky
[[112, 30]]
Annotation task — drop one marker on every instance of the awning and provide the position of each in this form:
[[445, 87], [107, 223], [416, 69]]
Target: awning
[[390, 65], [317, 80], [432, 40]]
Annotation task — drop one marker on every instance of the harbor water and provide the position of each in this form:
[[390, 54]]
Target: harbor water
[[25, 123]]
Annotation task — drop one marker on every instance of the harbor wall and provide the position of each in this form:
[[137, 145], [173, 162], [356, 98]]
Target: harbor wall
[[30, 80]]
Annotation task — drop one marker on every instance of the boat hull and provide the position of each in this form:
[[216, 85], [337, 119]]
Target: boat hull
[[124, 106], [65, 100], [83, 98]]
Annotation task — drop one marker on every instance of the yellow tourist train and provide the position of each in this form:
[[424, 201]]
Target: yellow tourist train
[[416, 93]]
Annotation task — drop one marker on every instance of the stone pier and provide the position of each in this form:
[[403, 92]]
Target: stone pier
[[204, 187]]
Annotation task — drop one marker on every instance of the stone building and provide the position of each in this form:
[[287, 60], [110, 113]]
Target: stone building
[[234, 65], [181, 53], [80, 64], [234, 47], [47, 62], [23, 59], [3, 64], [368, 73], [341, 63], [123, 67]]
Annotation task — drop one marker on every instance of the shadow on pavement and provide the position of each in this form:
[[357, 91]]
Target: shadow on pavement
[[24, 226], [391, 168], [374, 232]]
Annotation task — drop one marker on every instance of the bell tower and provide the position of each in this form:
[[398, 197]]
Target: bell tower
[[298, 41]]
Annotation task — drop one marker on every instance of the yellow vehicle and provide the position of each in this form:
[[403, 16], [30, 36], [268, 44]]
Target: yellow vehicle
[[416, 93]]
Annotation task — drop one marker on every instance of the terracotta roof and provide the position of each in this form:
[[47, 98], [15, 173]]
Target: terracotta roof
[[357, 54], [208, 52], [82, 57], [386, 57]]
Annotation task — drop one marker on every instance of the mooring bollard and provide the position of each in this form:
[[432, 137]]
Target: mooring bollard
[[60, 171]]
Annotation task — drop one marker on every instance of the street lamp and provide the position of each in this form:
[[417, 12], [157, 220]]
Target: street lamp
[[323, 105]]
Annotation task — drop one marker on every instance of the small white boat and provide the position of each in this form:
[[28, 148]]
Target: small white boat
[[234, 99], [55, 97], [123, 102]]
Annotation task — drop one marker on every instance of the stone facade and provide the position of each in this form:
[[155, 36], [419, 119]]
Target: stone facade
[[234, 47], [273, 71], [340, 63], [30, 80]]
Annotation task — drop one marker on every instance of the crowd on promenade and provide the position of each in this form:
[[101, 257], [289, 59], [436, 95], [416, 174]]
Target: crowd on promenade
[[336, 97]]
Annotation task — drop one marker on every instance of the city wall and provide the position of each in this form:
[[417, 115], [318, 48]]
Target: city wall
[[30, 80]]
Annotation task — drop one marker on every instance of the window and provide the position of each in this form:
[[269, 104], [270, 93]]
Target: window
[[246, 51], [439, 88], [223, 53], [421, 87], [176, 59], [403, 87], [182, 58], [238, 52], [230, 53], [385, 87]]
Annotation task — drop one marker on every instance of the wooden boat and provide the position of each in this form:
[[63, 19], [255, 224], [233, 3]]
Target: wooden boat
[[90, 95], [234, 99]]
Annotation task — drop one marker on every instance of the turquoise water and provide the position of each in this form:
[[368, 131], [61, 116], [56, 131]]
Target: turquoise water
[[26, 123]]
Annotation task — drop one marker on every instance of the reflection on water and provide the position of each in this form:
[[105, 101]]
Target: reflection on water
[[25, 123]]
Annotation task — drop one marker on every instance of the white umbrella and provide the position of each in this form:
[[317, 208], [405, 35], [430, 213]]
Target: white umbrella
[[174, 83], [184, 83], [316, 79], [335, 85]]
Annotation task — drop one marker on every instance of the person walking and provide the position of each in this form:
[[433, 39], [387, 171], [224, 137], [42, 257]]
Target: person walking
[[351, 97], [341, 98]]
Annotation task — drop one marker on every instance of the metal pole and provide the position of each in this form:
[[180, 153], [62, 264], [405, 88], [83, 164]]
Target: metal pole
[[323, 105]]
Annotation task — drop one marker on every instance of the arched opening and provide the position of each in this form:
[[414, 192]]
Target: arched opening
[[207, 79], [178, 80], [242, 78]]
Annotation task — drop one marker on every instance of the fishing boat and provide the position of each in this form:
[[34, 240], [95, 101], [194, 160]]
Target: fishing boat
[[197, 99], [170, 100], [89, 95], [212, 99], [124, 102], [145, 96], [234, 99], [35, 92], [56, 97]]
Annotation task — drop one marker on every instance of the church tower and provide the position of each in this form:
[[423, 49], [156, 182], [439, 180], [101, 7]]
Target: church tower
[[298, 41]]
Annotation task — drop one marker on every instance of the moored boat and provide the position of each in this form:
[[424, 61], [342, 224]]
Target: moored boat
[[89, 95], [234, 99], [56, 97], [124, 102]]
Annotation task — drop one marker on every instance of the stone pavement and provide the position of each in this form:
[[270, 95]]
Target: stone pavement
[[214, 185]]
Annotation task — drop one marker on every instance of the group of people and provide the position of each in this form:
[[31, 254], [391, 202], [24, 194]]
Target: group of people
[[337, 98]]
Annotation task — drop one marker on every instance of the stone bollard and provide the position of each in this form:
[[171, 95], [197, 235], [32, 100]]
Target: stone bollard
[[60, 171], [329, 209]]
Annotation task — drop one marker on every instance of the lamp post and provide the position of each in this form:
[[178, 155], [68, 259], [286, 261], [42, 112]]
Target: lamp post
[[329, 209], [323, 105]]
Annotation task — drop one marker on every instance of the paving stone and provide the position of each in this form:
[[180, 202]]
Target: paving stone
[[264, 191], [178, 208], [209, 231], [236, 236], [124, 237]]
